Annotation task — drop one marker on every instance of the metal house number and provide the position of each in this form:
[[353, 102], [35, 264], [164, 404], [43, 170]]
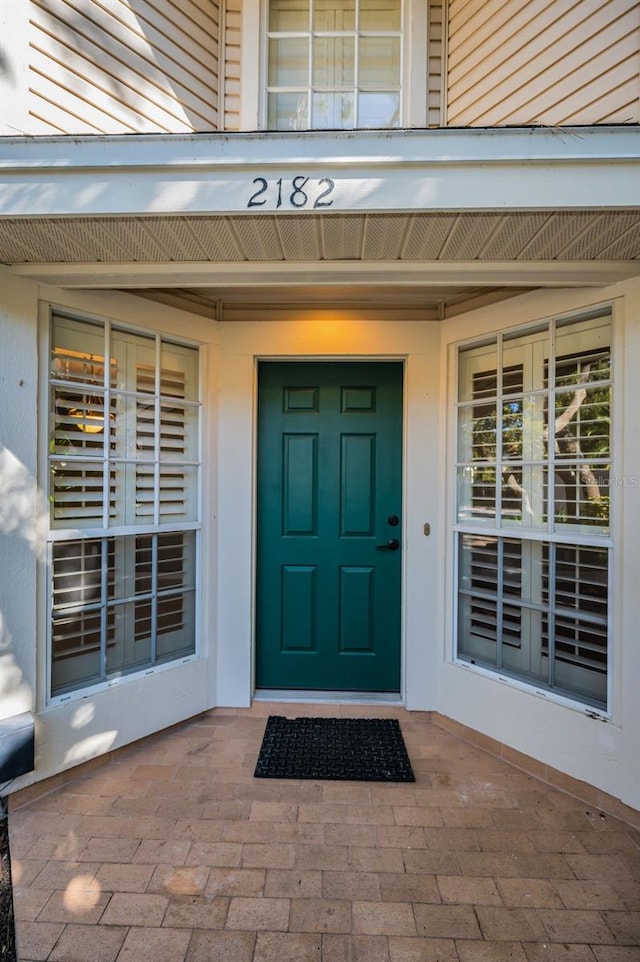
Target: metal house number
[[297, 192]]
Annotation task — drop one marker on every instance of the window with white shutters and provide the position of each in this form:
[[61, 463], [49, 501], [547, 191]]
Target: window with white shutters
[[532, 527], [123, 493]]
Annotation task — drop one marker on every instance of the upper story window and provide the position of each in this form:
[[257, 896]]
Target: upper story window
[[335, 64]]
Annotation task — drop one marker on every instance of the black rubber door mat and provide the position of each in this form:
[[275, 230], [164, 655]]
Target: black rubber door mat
[[341, 749]]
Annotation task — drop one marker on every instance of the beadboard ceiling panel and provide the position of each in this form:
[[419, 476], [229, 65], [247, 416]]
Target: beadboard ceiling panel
[[365, 265], [482, 237], [301, 239]]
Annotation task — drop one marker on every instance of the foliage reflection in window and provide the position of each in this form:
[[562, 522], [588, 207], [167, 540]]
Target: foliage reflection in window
[[532, 602]]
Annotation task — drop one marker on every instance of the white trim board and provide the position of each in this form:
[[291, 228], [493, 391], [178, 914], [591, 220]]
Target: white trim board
[[408, 170], [376, 273]]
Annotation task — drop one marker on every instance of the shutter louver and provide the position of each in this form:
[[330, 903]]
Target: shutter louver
[[78, 493]]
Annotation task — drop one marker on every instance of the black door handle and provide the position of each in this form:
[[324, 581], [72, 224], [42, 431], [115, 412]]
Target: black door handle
[[392, 545]]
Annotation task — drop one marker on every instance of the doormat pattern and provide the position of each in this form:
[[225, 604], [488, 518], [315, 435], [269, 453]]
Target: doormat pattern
[[344, 749]]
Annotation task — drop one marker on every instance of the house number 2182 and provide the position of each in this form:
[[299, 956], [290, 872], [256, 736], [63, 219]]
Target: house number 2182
[[298, 192]]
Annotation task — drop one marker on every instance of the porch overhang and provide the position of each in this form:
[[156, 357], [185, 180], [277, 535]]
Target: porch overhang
[[438, 217]]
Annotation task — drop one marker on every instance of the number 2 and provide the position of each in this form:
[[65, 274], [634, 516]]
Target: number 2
[[325, 193], [253, 200]]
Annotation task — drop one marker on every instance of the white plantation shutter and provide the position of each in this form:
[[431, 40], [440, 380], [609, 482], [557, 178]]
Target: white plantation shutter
[[166, 435], [123, 458], [536, 607], [76, 425], [77, 491], [77, 616], [165, 568], [144, 454], [575, 637], [177, 434]]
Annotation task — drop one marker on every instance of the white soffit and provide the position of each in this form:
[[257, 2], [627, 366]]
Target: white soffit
[[514, 248]]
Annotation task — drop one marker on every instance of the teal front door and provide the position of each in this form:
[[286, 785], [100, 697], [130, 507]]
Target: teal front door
[[329, 526]]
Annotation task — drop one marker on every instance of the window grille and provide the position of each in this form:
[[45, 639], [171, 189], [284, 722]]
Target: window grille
[[123, 494], [334, 64], [533, 506]]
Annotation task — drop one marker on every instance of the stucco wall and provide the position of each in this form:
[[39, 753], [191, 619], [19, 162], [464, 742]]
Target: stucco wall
[[20, 502], [83, 725]]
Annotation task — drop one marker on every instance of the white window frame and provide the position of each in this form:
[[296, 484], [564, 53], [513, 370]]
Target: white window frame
[[253, 66], [57, 534], [552, 534]]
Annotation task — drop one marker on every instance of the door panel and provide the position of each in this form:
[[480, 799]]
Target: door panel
[[356, 609], [329, 480], [357, 484], [300, 484], [298, 592]]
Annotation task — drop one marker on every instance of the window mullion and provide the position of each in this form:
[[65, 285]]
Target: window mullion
[[156, 432], [154, 599], [533, 467], [609, 557], [106, 432], [499, 602], [499, 428], [551, 431], [551, 617], [104, 607]]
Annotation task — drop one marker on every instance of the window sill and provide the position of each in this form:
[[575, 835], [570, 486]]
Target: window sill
[[82, 694], [563, 701]]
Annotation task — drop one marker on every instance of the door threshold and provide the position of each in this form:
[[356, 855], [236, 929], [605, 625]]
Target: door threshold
[[313, 696]]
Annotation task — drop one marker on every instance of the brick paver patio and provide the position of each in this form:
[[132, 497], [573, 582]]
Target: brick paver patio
[[173, 852]]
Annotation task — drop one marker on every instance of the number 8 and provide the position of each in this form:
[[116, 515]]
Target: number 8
[[298, 183]]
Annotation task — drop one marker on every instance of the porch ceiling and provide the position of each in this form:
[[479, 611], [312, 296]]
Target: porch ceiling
[[425, 223], [420, 265]]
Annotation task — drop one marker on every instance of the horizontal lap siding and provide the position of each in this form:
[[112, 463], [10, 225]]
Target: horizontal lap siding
[[549, 62], [123, 66]]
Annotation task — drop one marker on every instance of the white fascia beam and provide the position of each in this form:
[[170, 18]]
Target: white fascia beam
[[375, 274], [412, 170]]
